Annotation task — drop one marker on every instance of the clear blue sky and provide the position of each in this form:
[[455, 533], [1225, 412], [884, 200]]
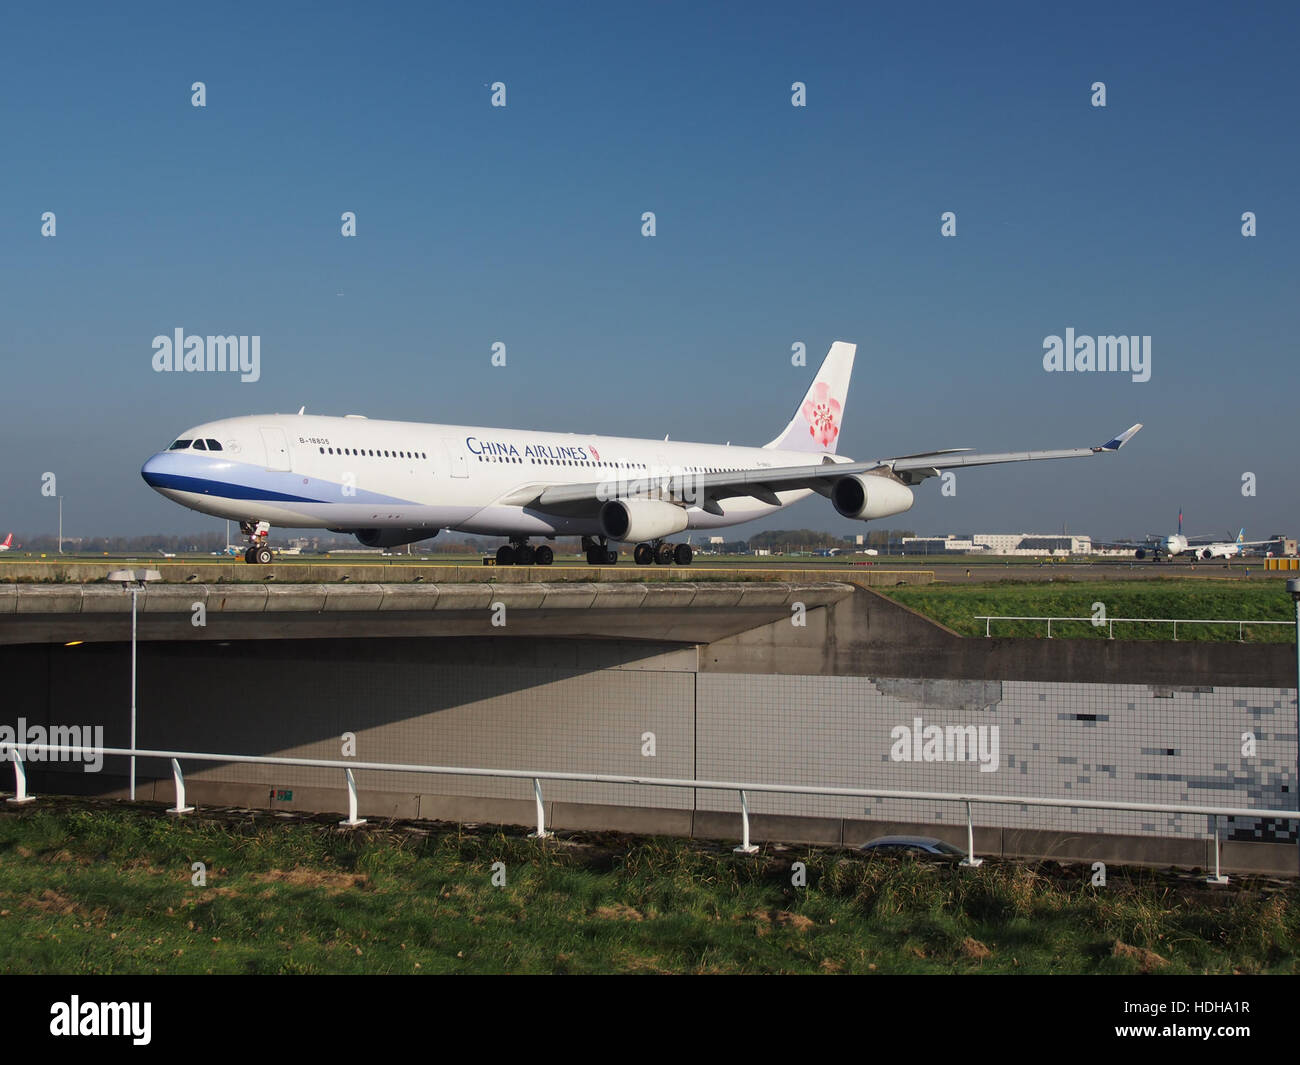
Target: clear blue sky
[[775, 225]]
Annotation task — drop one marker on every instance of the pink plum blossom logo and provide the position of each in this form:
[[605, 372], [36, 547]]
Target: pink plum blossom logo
[[821, 410]]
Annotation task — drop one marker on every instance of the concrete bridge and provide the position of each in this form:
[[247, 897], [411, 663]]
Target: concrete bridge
[[769, 681]]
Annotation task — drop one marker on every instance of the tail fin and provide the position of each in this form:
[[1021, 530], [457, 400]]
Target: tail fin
[[1241, 536], [816, 423], [9, 541]]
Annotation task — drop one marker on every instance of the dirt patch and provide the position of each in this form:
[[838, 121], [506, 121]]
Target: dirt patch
[[55, 902], [797, 921], [68, 856], [1147, 960], [619, 912], [332, 882], [783, 919]]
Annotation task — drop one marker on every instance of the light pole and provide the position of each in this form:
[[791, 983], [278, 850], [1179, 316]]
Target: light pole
[[60, 524], [133, 582]]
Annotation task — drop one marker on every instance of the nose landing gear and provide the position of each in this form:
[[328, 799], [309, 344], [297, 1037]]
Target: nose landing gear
[[257, 553]]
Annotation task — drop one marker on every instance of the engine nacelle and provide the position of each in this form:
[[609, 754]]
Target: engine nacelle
[[634, 520], [393, 537], [865, 496]]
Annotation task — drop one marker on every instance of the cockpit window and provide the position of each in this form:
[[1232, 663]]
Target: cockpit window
[[199, 445], [213, 445], [180, 445]]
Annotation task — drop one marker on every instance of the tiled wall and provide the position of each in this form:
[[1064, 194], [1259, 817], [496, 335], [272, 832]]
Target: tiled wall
[[1095, 741]]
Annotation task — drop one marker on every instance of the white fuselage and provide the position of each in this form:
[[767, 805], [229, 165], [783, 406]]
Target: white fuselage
[[308, 471], [1177, 544]]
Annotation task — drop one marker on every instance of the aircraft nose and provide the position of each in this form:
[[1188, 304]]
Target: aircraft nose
[[152, 470]]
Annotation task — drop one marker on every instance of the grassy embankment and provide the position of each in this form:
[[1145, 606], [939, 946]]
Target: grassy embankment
[[957, 606], [102, 889]]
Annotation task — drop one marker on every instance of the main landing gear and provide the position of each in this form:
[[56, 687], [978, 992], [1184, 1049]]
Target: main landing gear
[[662, 553], [522, 553], [257, 553], [599, 553]]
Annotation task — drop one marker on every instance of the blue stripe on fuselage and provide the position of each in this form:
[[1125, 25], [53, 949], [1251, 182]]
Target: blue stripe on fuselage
[[209, 487], [223, 479]]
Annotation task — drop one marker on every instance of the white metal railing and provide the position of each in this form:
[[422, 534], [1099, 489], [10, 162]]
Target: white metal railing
[[1111, 622], [12, 750]]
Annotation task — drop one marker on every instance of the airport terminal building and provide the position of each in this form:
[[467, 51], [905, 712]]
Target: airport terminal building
[[1058, 544]]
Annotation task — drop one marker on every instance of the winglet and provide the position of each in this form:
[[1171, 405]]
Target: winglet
[[1117, 442]]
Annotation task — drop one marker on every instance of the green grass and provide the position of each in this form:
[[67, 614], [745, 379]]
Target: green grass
[[96, 888], [957, 606]]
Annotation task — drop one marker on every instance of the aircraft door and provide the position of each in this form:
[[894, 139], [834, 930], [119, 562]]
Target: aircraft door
[[277, 448], [455, 453]]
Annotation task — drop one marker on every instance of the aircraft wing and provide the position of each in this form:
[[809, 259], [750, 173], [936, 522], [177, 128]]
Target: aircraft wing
[[763, 484]]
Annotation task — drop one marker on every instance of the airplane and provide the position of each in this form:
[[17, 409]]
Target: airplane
[[9, 544], [392, 483], [1176, 544], [1232, 549]]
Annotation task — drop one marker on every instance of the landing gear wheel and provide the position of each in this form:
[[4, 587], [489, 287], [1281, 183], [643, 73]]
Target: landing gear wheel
[[683, 555], [248, 555], [611, 557], [544, 556], [595, 556], [505, 555], [664, 555], [525, 554], [643, 555], [263, 556]]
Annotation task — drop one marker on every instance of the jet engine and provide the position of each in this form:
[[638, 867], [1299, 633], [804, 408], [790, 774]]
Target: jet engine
[[867, 496], [636, 520]]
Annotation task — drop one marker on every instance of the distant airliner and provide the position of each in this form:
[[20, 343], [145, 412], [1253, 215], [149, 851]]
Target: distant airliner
[[8, 544], [1176, 544], [393, 483]]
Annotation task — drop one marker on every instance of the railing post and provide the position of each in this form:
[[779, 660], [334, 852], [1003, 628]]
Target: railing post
[[1112, 629], [1049, 628], [1218, 877], [179, 781], [541, 832], [352, 820], [970, 861], [1175, 632], [20, 778], [745, 846], [987, 623]]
